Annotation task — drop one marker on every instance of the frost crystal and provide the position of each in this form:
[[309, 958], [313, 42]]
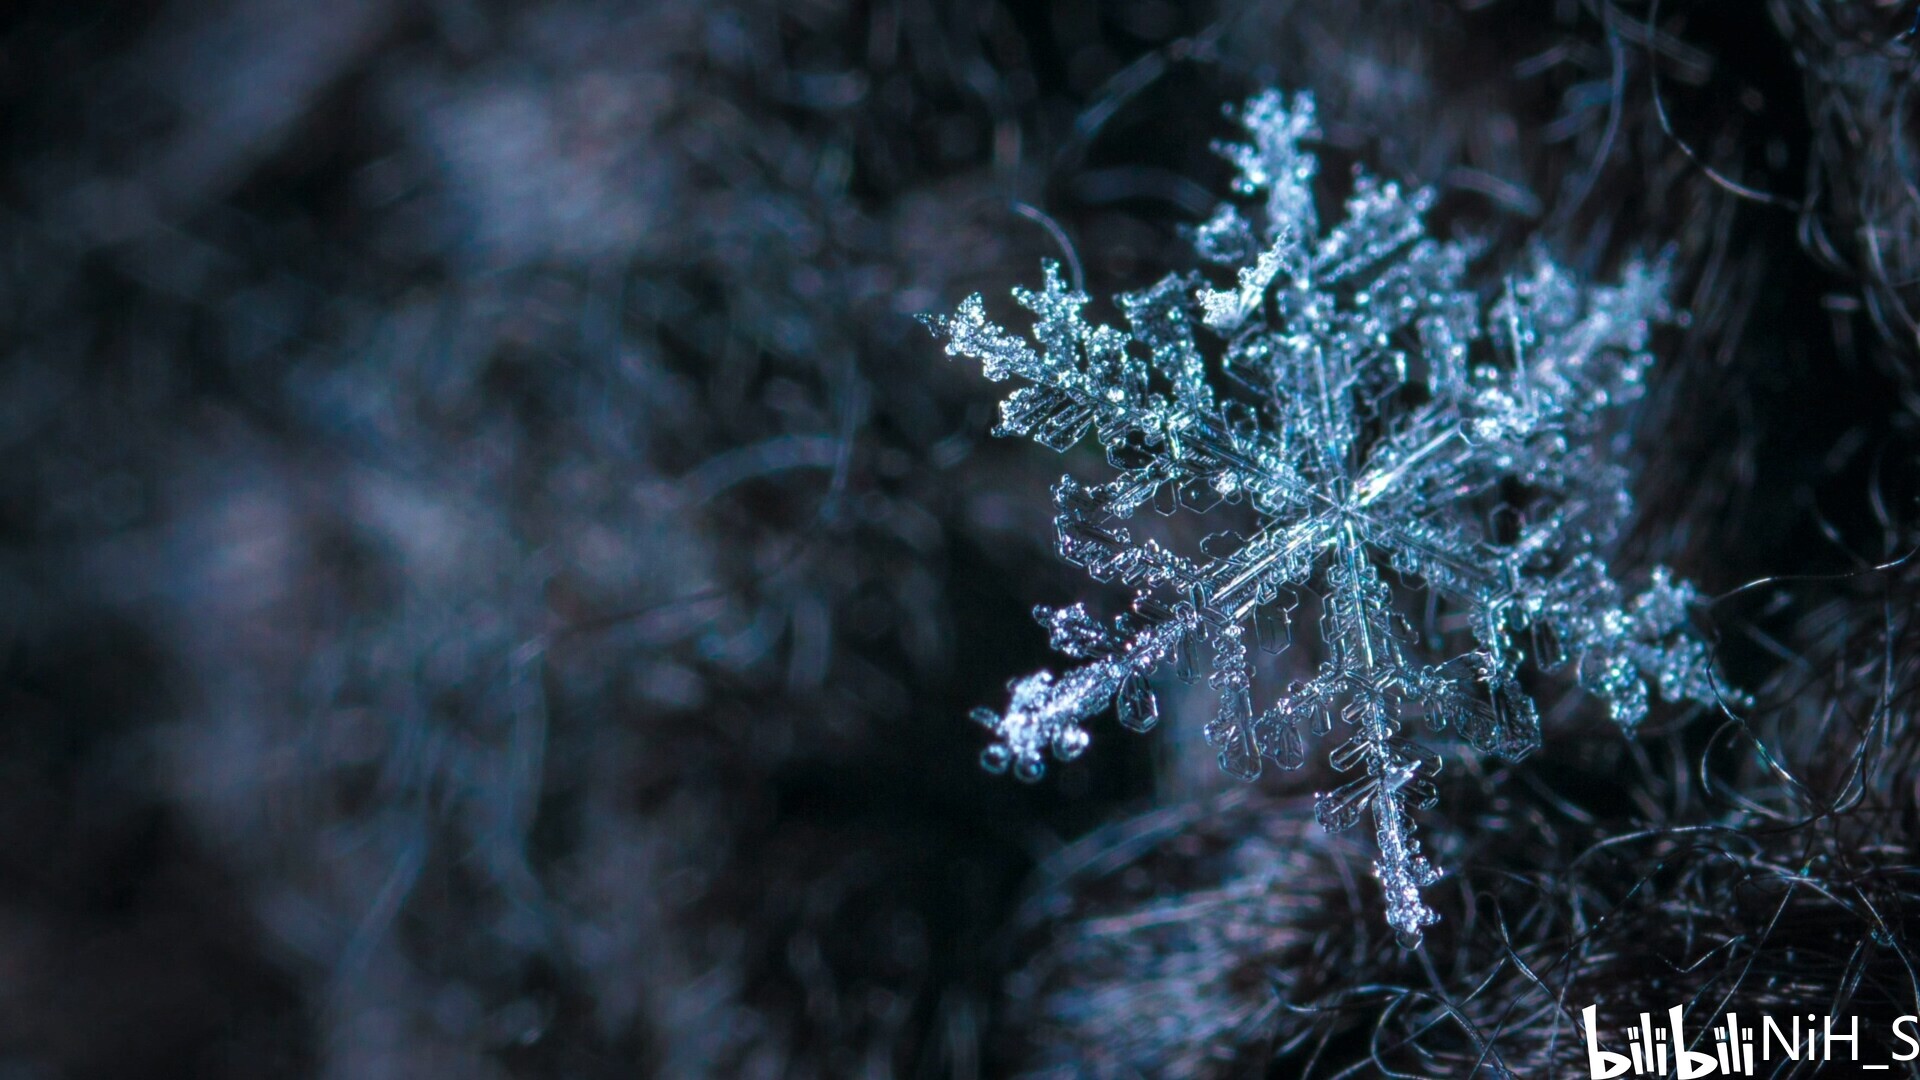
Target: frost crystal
[[1377, 442]]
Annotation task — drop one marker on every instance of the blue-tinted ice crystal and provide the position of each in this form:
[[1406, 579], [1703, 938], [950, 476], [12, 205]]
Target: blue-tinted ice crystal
[[1387, 439]]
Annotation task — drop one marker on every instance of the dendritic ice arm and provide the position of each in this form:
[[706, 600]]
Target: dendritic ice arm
[[1345, 391]]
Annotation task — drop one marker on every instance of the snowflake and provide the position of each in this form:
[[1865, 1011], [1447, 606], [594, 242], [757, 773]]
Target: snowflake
[[1382, 445]]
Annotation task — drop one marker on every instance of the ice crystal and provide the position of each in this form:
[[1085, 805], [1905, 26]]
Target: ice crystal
[[1384, 443]]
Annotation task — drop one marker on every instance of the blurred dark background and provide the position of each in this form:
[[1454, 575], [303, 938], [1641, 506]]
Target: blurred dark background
[[492, 576]]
